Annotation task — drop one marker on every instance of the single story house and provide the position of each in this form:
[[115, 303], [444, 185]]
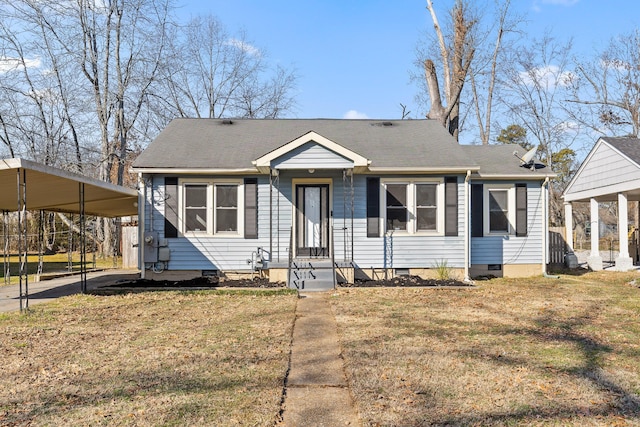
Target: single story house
[[312, 201], [609, 174]]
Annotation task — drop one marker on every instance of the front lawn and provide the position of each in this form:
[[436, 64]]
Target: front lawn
[[509, 352], [147, 359]]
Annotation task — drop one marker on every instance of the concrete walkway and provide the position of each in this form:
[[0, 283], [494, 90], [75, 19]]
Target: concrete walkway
[[47, 290], [317, 393]]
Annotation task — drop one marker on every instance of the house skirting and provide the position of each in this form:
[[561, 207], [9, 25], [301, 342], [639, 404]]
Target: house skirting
[[505, 270]]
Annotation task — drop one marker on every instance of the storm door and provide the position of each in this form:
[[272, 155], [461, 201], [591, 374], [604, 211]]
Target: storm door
[[312, 220]]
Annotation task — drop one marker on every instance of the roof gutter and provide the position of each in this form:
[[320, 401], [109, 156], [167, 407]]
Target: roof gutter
[[194, 171], [517, 176], [385, 169]]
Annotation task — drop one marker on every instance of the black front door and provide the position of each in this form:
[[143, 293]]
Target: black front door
[[312, 220]]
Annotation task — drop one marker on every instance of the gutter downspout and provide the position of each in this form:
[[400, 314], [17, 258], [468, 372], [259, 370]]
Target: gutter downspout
[[545, 229], [467, 234], [142, 199]]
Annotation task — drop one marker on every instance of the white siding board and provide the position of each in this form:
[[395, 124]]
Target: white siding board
[[605, 167]]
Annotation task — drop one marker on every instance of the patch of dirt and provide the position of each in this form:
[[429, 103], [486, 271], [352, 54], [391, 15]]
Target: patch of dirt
[[406, 281], [257, 282], [200, 282]]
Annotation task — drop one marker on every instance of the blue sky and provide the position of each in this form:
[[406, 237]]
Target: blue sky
[[353, 57]]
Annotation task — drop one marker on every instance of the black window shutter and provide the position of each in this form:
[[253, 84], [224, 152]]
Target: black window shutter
[[373, 207], [477, 210], [521, 210], [170, 207], [250, 208], [451, 206]]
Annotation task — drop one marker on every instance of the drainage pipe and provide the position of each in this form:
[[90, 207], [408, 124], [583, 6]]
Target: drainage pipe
[[545, 228], [467, 234]]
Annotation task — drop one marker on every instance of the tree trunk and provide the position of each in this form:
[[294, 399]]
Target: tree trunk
[[436, 112]]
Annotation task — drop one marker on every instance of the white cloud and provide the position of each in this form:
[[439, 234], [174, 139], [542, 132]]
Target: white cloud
[[10, 64], [246, 47], [353, 114], [547, 77], [569, 126]]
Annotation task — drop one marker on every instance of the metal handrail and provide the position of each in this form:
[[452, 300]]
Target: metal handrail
[[290, 260], [333, 259]]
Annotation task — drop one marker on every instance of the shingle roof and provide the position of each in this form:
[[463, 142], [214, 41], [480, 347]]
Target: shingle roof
[[212, 144], [630, 147], [499, 160]]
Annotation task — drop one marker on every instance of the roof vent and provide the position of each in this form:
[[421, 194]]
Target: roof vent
[[227, 122], [385, 124]]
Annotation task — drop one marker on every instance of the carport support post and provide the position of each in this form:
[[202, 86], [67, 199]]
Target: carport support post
[[22, 239], [83, 240], [6, 257], [595, 260], [624, 261]]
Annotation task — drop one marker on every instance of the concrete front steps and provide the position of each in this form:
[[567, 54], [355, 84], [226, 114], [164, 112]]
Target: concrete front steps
[[312, 275]]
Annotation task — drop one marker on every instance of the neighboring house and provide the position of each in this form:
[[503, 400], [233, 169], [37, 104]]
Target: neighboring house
[[609, 173], [297, 199]]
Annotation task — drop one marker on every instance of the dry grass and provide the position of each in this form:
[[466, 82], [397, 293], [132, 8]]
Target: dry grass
[[54, 264], [202, 358], [510, 352]]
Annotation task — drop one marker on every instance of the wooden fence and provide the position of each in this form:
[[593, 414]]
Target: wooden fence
[[557, 245], [129, 247]]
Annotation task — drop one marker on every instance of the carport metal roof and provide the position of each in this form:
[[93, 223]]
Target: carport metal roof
[[31, 186], [52, 189]]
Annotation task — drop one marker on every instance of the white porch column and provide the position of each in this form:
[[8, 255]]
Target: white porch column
[[624, 261], [595, 260], [568, 226], [570, 258]]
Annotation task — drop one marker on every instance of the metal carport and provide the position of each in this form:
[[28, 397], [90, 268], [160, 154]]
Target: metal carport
[[30, 186]]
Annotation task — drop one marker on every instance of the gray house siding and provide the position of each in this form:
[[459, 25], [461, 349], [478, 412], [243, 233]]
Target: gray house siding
[[511, 249], [232, 253], [207, 252], [405, 251]]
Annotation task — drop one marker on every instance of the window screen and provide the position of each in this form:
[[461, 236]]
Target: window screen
[[195, 207], [498, 211], [397, 207], [426, 207], [226, 208]]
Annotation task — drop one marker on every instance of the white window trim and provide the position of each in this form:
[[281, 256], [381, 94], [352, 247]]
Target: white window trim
[[411, 205], [211, 183], [511, 206]]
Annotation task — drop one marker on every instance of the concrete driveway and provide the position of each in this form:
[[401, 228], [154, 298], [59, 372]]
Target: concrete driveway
[[47, 290]]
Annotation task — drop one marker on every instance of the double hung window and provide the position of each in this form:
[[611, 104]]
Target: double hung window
[[500, 209], [211, 207], [413, 206]]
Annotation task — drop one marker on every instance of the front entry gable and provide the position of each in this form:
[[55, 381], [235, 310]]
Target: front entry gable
[[311, 151], [311, 155]]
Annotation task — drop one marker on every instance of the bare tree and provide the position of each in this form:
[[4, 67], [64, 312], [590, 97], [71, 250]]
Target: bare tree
[[465, 56], [456, 55], [220, 75], [609, 88], [534, 89], [485, 69]]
